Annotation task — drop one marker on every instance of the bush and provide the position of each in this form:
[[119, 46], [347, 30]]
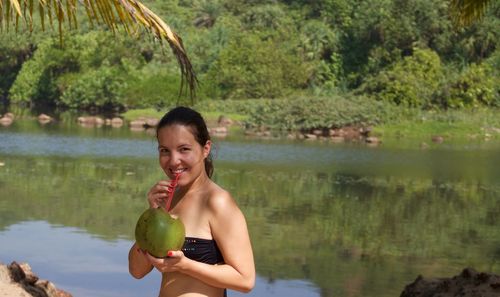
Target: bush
[[410, 82], [317, 113], [55, 74], [251, 68], [477, 85], [97, 88]]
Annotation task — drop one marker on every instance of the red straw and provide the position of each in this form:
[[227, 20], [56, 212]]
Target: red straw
[[173, 184]]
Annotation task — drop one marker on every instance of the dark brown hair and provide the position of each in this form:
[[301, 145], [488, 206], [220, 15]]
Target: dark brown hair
[[190, 118]]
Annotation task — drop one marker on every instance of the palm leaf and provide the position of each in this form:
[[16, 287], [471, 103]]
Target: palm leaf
[[129, 14], [465, 12]]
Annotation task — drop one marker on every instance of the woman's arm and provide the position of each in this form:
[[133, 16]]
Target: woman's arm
[[138, 263], [229, 230]]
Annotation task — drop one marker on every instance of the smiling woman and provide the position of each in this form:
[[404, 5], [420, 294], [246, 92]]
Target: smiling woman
[[217, 252], [129, 14]]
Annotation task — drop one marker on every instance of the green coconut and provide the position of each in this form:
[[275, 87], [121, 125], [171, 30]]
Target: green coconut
[[157, 232]]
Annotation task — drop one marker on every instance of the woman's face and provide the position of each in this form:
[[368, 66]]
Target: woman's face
[[180, 153]]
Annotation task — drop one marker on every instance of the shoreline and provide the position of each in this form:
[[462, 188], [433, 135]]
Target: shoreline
[[18, 280], [222, 126]]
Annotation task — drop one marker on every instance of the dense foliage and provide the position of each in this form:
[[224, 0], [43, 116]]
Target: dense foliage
[[403, 52]]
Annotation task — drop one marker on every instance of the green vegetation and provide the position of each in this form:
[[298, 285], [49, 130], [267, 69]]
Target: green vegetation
[[479, 123], [382, 57], [134, 114]]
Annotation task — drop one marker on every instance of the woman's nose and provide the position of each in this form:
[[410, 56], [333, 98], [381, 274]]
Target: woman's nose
[[175, 160]]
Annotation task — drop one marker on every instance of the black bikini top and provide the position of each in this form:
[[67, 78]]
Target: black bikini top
[[202, 250]]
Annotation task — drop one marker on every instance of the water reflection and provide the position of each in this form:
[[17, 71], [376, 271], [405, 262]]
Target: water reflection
[[352, 158], [324, 220], [88, 266]]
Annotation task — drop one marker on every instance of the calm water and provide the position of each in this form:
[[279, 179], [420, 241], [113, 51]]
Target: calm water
[[325, 219]]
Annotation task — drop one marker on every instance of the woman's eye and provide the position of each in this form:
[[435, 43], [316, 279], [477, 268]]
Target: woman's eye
[[185, 149]]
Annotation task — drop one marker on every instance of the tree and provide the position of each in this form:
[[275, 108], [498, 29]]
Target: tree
[[465, 12], [128, 14]]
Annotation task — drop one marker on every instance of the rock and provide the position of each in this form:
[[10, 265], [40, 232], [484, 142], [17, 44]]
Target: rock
[[373, 140], [4, 274], [151, 122], [469, 283], [139, 123], [90, 121], [350, 133], [317, 132], [437, 139], [9, 115], [18, 280], [6, 121], [224, 121], [365, 131], [218, 131], [44, 119], [116, 122], [310, 136], [16, 272], [424, 146], [12, 290]]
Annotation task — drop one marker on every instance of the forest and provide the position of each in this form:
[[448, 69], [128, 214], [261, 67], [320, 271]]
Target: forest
[[364, 58]]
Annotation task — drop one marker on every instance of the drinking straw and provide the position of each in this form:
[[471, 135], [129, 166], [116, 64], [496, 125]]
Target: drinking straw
[[173, 184]]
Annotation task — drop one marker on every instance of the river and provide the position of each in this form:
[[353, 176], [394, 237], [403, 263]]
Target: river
[[326, 219]]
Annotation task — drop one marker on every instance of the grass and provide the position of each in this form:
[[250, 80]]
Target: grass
[[134, 114], [412, 125], [455, 124], [211, 117]]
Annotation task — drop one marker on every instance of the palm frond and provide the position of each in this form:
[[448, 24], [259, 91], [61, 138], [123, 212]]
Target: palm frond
[[129, 14], [465, 12]]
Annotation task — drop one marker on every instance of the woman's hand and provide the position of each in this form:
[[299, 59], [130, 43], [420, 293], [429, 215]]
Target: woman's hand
[[158, 194], [174, 261]]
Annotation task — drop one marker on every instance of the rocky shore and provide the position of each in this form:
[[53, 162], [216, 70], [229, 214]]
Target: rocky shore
[[469, 283], [18, 280], [219, 128]]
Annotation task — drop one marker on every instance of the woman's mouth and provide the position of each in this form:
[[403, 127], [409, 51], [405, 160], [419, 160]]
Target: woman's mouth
[[177, 171]]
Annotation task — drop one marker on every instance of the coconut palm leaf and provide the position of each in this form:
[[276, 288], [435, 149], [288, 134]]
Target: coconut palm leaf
[[465, 12], [114, 14]]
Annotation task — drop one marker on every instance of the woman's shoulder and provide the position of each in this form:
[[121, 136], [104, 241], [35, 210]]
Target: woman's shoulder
[[220, 199]]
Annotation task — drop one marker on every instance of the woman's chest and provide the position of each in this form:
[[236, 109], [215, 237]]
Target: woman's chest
[[196, 220]]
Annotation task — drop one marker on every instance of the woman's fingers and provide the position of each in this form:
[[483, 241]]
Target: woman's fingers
[[175, 254], [158, 194]]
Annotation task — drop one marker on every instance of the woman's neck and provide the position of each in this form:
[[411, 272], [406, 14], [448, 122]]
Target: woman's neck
[[197, 185]]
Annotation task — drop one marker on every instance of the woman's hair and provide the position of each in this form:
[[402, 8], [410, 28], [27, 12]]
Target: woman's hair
[[188, 117]]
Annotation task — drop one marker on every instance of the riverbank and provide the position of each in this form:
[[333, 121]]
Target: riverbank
[[18, 280], [422, 128]]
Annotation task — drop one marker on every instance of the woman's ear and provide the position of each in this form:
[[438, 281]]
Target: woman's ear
[[206, 148]]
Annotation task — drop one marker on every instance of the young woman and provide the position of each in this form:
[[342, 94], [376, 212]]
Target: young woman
[[217, 253]]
